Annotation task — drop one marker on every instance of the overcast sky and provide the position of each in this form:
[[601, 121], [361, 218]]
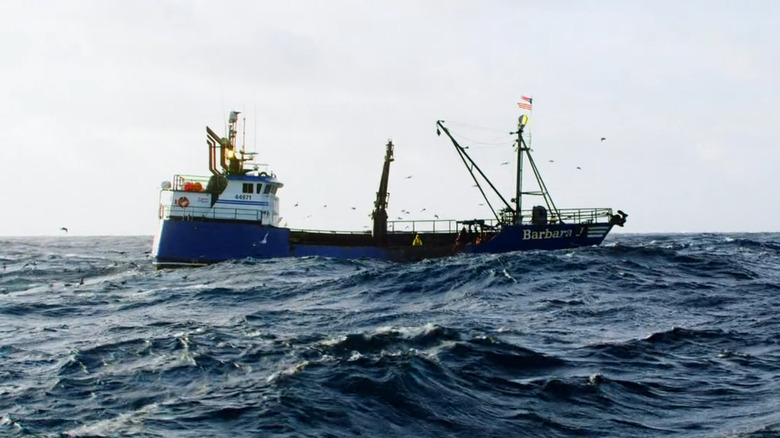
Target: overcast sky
[[104, 100]]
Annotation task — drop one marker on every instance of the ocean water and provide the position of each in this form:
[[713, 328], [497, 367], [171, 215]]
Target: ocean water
[[644, 336]]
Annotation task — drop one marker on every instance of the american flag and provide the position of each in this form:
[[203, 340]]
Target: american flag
[[526, 106], [527, 99]]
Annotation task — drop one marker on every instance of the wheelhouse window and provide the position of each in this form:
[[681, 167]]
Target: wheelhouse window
[[247, 187], [259, 189], [267, 189], [273, 190]]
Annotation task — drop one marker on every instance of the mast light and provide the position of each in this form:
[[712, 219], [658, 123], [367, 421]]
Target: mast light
[[522, 120]]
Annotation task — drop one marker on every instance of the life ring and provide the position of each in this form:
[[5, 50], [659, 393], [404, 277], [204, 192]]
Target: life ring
[[183, 202]]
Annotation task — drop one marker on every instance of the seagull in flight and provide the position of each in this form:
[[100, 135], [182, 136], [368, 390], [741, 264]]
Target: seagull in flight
[[65, 229], [505, 163], [579, 168], [603, 138], [409, 177], [265, 239]]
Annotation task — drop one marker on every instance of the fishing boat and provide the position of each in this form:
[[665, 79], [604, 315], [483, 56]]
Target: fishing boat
[[234, 213]]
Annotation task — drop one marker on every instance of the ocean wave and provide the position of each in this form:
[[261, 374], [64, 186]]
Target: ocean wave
[[647, 335]]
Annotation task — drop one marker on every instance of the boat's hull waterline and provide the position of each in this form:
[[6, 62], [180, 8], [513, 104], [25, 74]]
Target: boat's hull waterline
[[198, 242]]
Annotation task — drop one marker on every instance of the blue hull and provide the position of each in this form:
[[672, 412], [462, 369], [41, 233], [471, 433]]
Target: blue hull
[[181, 243]]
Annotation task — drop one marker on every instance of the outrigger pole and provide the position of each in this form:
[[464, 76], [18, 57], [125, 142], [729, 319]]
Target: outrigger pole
[[470, 166], [522, 147]]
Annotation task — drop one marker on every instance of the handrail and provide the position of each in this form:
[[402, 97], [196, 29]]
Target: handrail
[[423, 226], [582, 215], [192, 212]]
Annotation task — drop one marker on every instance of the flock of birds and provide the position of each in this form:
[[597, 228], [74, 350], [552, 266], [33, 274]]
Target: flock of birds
[[403, 211], [407, 212]]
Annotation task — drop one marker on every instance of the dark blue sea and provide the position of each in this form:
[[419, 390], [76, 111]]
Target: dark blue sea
[[645, 336]]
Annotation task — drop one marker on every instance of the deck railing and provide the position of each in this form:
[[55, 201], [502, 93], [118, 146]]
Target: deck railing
[[180, 182], [568, 216], [428, 226], [192, 212], [577, 215]]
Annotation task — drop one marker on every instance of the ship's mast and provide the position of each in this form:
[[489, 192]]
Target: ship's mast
[[235, 164], [379, 214], [521, 147]]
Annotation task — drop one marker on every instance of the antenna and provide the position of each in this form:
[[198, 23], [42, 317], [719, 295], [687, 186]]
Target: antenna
[[254, 146], [224, 120], [530, 131], [243, 140]]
